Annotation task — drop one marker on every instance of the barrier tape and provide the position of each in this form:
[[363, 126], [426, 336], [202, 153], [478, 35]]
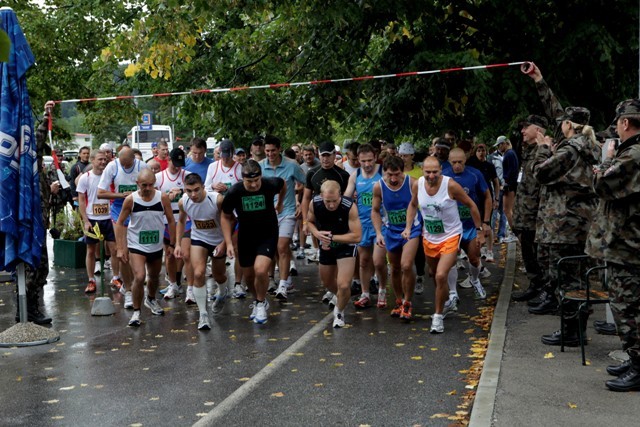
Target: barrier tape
[[96, 233]]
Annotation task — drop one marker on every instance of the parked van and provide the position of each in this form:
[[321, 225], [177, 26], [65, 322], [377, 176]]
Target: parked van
[[142, 139]]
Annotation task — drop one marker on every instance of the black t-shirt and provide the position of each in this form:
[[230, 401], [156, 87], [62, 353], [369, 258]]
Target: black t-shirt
[[317, 176], [335, 221], [487, 169], [255, 210]]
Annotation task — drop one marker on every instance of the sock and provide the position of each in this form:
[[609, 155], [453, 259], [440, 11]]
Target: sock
[[116, 277], [284, 283], [222, 288], [474, 271], [172, 284], [200, 294], [452, 280], [365, 295]]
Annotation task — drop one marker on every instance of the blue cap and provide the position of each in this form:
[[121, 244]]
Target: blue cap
[[154, 145]]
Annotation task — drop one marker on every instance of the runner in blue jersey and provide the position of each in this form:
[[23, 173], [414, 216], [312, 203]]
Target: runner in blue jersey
[[393, 194], [372, 256], [472, 238], [197, 161]]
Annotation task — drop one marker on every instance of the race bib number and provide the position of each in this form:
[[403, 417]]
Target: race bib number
[[204, 224], [253, 203], [177, 198], [397, 217], [124, 188], [149, 237], [101, 209], [465, 212], [434, 226], [366, 199]]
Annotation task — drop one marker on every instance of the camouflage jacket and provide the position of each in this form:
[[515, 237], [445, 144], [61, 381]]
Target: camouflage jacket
[[569, 200], [615, 232], [552, 108], [525, 210], [45, 181]]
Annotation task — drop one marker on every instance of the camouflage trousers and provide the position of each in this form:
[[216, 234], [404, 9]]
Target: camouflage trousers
[[37, 278], [624, 294]]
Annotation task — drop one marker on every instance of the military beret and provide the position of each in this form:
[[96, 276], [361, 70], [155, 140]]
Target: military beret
[[579, 115], [630, 107]]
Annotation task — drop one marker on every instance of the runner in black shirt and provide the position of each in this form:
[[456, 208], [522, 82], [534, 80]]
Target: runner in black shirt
[[252, 200]]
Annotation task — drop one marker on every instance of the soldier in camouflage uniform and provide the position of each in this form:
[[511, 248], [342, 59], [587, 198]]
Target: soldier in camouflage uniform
[[37, 278], [526, 207], [564, 168], [615, 237]]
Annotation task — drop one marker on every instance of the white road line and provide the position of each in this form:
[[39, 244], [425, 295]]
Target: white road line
[[243, 391]]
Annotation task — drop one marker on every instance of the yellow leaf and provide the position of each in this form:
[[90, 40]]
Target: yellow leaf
[[244, 379], [202, 414], [131, 70], [336, 354], [71, 387], [434, 349], [572, 405], [416, 357], [209, 403], [337, 365], [452, 393], [457, 355], [50, 401], [549, 356], [399, 344], [587, 362], [20, 379], [277, 394], [318, 385], [57, 417], [439, 416]]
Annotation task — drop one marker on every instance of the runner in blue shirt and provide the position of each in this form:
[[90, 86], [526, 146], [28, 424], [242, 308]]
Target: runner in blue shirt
[[197, 161]]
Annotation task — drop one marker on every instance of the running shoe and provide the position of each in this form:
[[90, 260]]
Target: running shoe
[[107, 264], [203, 324], [356, 288], [484, 272], [273, 287], [419, 289], [189, 298], [407, 310], [338, 319], [239, 291], [300, 254], [450, 306], [154, 306], [293, 270], [116, 283], [315, 257], [382, 299], [397, 310], [172, 292], [221, 297], [479, 289], [135, 319], [334, 302], [437, 324], [261, 313], [91, 287], [489, 256], [326, 298], [164, 290], [128, 300], [483, 252], [96, 268], [254, 309], [510, 238], [281, 293], [466, 283], [362, 302]]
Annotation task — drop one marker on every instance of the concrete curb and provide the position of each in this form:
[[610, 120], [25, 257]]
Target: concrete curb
[[483, 405]]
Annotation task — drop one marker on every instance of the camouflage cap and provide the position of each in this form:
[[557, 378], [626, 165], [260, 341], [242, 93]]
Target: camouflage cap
[[579, 115], [533, 119], [628, 108]]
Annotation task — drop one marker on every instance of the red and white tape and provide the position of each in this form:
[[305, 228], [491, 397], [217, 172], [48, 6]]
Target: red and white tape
[[295, 84]]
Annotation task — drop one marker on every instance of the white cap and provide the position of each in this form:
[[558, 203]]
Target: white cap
[[106, 147], [406, 148]]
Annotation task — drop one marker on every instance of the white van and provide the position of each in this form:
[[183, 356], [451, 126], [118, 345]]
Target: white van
[[142, 139], [212, 143]]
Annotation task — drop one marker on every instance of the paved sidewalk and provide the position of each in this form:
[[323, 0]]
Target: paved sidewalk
[[540, 386]]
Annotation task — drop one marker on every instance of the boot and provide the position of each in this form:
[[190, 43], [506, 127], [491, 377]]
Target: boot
[[526, 295], [542, 295], [628, 381], [548, 306], [571, 336], [604, 328], [33, 311], [617, 370]]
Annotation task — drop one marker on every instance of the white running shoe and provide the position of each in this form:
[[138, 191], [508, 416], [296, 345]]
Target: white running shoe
[[484, 272], [315, 257], [122, 290], [107, 264], [437, 324], [510, 238], [293, 270], [135, 319], [338, 319], [128, 300], [261, 313], [479, 289], [300, 253], [239, 291], [189, 298], [96, 269], [273, 287], [334, 302], [281, 293], [154, 306], [326, 298], [419, 289], [221, 297], [254, 309], [203, 324], [489, 256], [172, 292], [483, 252], [450, 306], [466, 283]]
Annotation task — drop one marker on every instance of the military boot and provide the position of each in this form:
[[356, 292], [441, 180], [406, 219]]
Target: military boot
[[617, 370], [548, 306], [541, 296], [33, 309], [629, 380], [571, 336], [528, 294]]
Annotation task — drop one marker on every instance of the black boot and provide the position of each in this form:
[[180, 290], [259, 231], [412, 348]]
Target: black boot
[[617, 370], [630, 380], [33, 311], [526, 295], [548, 306], [571, 336], [542, 295], [605, 328]]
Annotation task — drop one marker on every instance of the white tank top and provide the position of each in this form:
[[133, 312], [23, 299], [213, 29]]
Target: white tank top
[[146, 228], [118, 180], [166, 182], [205, 218], [218, 173], [97, 209], [439, 212]]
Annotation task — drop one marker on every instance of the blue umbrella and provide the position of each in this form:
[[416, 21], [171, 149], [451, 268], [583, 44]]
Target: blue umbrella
[[22, 232]]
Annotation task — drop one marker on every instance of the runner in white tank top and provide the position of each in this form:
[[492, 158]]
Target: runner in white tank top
[[222, 174]]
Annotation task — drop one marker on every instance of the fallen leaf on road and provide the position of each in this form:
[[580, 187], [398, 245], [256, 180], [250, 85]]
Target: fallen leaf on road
[[439, 416], [50, 401], [572, 405], [549, 356], [416, 357], [277, 394], [399, 344], [71, 387], [209, 403], [452, 393], [244, 379]]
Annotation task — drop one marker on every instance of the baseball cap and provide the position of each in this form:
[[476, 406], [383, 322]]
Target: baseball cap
[[226, 148], [406, 148], [106, 147], [258, 140], [502, 139], [177, 157], [579, 115], [442, 143], [327, 147], [154, 145], [533, 119], [240, 150]]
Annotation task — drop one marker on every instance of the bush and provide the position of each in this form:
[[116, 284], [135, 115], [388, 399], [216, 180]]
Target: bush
[[69, 225]]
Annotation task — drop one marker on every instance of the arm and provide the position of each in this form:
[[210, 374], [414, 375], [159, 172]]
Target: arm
[[306, 201], [351, 186], [324, 237], [456, 192], [550, 168], [121, 230], [618, 177], [281, 196], [552, 106], [376, 218], [82, 207], [412, 209], [168, 213], [222, 247], [182, 223], [355, 229], [228, 221]]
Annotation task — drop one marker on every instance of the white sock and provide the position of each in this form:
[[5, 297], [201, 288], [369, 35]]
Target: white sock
[[222, 287], [200, 294], [284, 283], [474, 271], [452, 280], [173, 284], [189, 288], [365, 295]]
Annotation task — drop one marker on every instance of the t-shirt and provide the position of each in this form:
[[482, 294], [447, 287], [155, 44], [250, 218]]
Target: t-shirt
[[317, 176], [97, 209], [510, 168], [473, 184], [487, 169], [255, 209], [163, 163], [199, 168], [289, 170]]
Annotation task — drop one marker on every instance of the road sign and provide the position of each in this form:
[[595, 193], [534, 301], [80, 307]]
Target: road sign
[[147, 122]]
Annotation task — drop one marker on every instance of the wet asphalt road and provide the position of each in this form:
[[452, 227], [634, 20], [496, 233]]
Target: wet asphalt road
[[377, 371]]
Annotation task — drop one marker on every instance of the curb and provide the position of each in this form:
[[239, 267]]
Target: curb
[[483, 405]]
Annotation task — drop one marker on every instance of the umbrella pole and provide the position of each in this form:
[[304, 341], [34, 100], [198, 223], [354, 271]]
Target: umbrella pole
[[102, 306], [22, 292]]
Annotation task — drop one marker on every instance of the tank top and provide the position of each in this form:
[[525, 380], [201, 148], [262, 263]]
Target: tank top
[[147, 224], [97, 209], [166, 182], [218, 174], [364, 190], [205, 218], [440, 212], [394, 204], [121, 179], [335, 221]]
